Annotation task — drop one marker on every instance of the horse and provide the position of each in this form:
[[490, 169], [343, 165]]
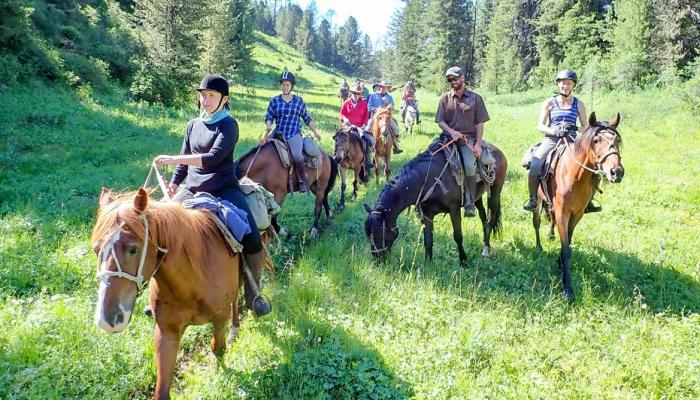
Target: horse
[[343, 93], [409, 118], [262, 164], [384, 133], [349, 155], [573, 182], [195, 277], [426, 183]]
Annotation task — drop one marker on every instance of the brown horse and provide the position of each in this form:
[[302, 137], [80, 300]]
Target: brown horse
[[426, 183], [262, 164], [572, 185], [349, 155], [383, 132], [195, 278]]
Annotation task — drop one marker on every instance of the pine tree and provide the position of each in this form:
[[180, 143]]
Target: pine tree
[[326, 44], [502, 68], [349, 46], [263, 18], [409, 31], [305, 34], [228, 38], [288, 18]]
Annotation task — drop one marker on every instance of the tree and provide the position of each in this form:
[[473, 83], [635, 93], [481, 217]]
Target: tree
[[410, 33], [263, 18], [326, 44], [502, 68], [349, 47], [630, 37], [305, 34], [288, 18]]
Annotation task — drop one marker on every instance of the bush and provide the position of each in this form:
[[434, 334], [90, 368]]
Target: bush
[[154, 86], [82, 69]]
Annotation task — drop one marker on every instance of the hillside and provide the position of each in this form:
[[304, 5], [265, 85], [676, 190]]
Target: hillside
[[344, 326]]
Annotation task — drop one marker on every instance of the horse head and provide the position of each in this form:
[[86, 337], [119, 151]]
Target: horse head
[[382, 122], [602, 142], [381, 234], [126, 257], [342, 144]]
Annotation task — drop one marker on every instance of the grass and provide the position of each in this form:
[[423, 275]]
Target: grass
[[343, 326]]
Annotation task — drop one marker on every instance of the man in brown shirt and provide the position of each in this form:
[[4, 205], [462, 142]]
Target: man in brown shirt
[[462, 113]]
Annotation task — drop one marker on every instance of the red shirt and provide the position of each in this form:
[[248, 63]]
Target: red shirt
[[357, 113]]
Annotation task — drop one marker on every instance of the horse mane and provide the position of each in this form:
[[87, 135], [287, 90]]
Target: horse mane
[[410, 169], [171, 226], [585, 141]]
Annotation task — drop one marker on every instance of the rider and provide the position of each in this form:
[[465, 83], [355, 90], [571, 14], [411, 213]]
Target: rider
[[286, 109], [409, 99], [343, 89], [205, 164], [365, 91], [354, 112], [462, 113], [557, 120], [382, 99]]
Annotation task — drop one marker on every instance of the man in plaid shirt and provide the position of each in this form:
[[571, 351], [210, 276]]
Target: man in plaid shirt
[[285, 110]]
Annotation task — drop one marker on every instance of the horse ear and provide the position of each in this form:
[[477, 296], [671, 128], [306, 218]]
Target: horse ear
[[105, 197], [592, 120], [615, 121], [367, 208], [141, 200]]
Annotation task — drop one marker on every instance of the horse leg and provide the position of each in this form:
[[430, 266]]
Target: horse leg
[[486, 227], [536, 222], [166, 343], [354, 184], [235, 320], [456, 219], [343, 186], [218, 340], [387, 165], [552, 223], [565, 255], [428, 238], [376, 165], [317, 214]]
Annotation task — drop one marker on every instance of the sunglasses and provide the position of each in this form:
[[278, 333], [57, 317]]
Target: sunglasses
[[452, 79]]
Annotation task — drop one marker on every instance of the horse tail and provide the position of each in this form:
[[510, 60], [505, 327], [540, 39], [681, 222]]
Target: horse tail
[[331, 179]]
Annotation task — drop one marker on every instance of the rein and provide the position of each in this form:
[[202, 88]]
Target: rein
[[598, 160], [108, 249], [159, 177]]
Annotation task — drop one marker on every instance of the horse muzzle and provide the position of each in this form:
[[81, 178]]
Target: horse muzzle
[[113, 316], [615, 175]]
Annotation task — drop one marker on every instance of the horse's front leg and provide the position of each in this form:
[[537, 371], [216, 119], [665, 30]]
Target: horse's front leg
[[428, 238], [235, 320], [376, 165], [343, 186], [456, 219], [167, 344], [218, 340], [565, 254], [387, 165], [317, 214], [354, 184]]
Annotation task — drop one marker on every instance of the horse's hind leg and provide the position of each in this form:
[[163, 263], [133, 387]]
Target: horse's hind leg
[[456, 219], [317, 214], [486, 227], [428, 238], [235, 320]]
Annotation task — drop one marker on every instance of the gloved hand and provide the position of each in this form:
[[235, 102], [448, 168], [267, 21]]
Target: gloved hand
[[560, 130]]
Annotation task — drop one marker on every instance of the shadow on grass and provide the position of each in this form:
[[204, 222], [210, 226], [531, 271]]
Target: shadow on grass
[[321, 361]]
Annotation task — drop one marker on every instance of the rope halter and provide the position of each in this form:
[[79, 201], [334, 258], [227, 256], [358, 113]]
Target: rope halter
[[107, 249]]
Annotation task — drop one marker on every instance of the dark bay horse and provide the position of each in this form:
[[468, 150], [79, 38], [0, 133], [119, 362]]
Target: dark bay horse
[[349, 155], [384, 136], [262, 164], [572, 185], [195, 278], [427, 183]]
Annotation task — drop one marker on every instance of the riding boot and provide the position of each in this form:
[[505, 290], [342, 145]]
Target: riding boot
[[302, 176], [592, 207], [469, 196], [533, 183], [368, 156], [396, 146], [253, 299]]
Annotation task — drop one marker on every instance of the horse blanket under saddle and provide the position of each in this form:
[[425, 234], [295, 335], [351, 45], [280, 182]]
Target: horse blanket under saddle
[[261, 202], [312, 154], [231, 220]]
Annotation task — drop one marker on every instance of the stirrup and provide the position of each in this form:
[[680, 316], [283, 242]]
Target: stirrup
[[261, 305]]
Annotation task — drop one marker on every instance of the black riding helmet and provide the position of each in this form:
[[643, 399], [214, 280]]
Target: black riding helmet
[[216, 83], [567, 74], [287, 76]]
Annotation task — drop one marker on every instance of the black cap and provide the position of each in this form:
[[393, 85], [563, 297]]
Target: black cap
[[567, 74], [287, 76], [214, 82]]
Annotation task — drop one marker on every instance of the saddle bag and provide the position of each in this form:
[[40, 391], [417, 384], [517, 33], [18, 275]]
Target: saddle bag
[[260, 201]]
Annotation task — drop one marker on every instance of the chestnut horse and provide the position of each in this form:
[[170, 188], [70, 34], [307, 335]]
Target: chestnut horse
[[195, 277], [262, 164], [573, 182], [349, 155], [383, 132], [426, 183]]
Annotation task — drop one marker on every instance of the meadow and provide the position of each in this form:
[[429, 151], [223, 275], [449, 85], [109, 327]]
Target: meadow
[[344, 326]]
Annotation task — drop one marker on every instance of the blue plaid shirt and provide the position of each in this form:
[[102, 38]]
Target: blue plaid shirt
[[286, 115], [376, 100]]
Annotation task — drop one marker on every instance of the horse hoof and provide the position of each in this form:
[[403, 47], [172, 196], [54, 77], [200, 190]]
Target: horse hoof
[[314, 233], [569, 295], [283, 233], [232, 334], [539, 249], [486, 253]]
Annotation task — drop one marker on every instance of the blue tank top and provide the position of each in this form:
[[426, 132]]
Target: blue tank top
[[558, 115]]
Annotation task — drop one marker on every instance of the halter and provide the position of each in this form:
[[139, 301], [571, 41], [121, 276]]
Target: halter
[[345, 147], [612, 149], [108, 248], [384, 227]]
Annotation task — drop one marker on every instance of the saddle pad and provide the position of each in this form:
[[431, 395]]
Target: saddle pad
[[310, 161]]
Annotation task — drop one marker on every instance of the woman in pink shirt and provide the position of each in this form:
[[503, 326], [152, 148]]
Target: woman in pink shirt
[[355, 113]]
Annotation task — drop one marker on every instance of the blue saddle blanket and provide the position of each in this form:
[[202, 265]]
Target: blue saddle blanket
[[235, 219]]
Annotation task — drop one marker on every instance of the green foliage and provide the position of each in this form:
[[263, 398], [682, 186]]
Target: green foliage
[[349, 46], [630, 38], [502, 66], [305, 35]]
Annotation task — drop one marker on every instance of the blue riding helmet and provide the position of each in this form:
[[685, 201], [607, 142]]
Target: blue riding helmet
[[567, 74]]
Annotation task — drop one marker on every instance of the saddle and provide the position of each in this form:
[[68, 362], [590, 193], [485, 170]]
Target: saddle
[[312, 154], [550, 164], [485, 165]]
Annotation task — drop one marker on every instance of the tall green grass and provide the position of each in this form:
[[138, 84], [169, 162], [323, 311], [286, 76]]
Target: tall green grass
[[345, 326]]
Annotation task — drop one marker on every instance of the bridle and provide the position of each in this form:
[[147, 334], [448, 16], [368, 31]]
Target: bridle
[[611, 149], [108, 249], [384, 228]]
